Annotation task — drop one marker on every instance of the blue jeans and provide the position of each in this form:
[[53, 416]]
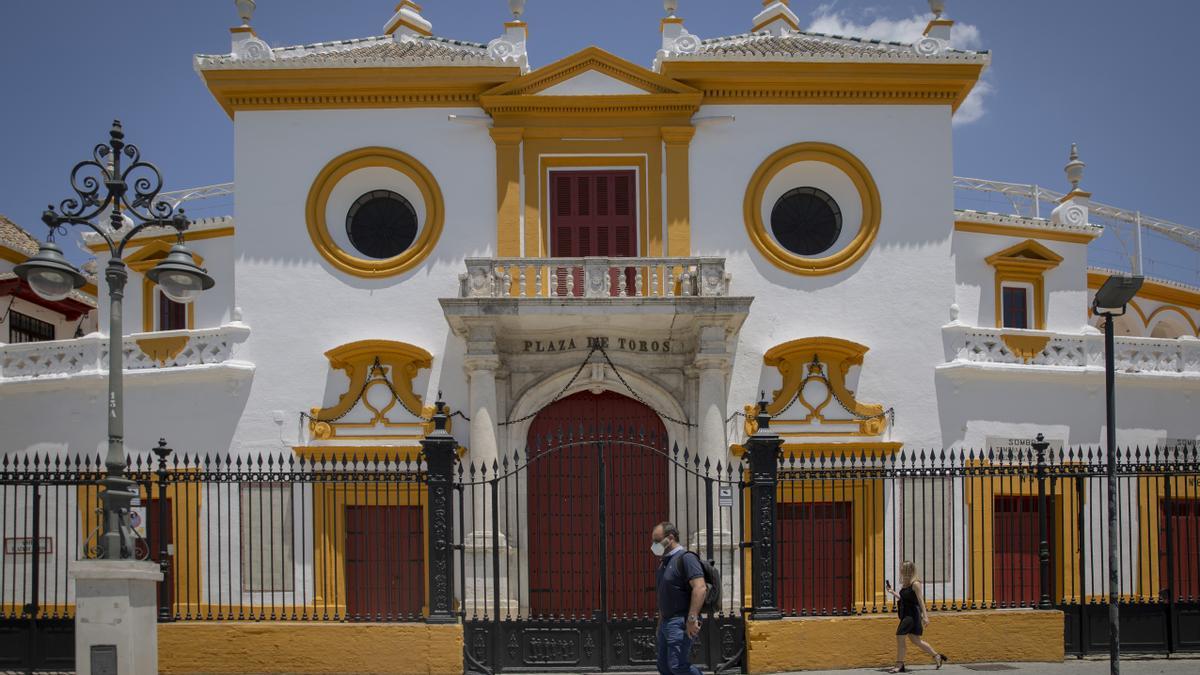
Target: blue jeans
[[673, 647]]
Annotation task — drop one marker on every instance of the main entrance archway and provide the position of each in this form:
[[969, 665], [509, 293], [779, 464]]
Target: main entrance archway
[[593, 499]]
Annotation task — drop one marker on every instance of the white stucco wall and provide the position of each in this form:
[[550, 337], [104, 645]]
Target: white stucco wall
[[894, 300], [298, 305], [1065, 285]]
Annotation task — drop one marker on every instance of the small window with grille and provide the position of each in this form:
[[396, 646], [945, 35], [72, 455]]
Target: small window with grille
[[22, 328], [171, 315]]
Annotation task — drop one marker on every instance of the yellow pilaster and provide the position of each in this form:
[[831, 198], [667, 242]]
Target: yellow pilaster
[[679, 230], [508, 190]]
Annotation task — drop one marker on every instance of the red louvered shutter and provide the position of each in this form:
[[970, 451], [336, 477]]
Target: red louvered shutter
[[594, 213]]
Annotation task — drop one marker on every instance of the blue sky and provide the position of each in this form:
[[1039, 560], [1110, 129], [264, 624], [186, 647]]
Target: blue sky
[[1116, 77]]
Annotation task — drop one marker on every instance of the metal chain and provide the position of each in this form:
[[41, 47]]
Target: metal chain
[[635, 394], [557, 396]]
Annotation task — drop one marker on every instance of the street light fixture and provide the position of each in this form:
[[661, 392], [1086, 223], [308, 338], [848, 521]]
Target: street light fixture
[[1110, 302], [51, 276]]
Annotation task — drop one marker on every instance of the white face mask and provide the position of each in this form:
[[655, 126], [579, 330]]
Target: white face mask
[[659, 547]]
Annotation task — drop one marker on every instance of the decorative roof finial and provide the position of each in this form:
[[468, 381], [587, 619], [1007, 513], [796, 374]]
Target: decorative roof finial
[[669, 6], [938, 7], [517, 7], [776, 18], [245, 10], [1074, 167], [407, 22]]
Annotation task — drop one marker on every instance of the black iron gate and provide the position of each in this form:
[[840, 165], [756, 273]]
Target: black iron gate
[[555, 569]]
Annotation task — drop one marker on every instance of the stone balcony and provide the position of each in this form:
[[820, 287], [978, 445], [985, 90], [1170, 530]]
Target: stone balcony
[[177, 352], [580, 278], [972, 349]]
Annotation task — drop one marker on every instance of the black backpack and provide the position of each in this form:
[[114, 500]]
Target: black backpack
[[712, 580]]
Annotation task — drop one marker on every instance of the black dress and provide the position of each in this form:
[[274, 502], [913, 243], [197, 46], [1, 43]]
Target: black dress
[[910, 613]]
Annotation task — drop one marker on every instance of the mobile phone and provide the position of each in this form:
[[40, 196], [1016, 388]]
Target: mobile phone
[[887, 584]]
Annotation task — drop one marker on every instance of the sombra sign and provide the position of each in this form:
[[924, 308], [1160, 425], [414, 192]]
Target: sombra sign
[[1004, 446]]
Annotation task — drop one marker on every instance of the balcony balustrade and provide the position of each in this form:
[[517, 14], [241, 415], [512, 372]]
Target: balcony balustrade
[[569, 278]]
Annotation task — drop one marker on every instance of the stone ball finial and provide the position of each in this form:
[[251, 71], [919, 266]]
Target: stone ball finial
[[1074, 167], [517, 7], [938, 7], [245, 10], [669, 6]]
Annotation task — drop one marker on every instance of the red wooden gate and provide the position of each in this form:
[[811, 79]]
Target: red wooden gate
[[565, 506], [1016, 568], [815, 569], [593, 213], [385, 561], [1184, 526]]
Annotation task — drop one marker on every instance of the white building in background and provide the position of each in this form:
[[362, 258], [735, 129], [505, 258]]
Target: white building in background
[[770, 211]]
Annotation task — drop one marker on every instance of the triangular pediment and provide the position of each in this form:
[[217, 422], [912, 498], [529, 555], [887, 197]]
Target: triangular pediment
[[592, 68], [1027, 250]]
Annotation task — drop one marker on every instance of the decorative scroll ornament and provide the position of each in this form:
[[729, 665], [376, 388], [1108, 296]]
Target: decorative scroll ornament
[[930, 46], [814, 376], [381, 374], [252, 49]]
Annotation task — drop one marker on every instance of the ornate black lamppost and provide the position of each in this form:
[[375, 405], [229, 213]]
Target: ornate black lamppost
[[102, 186]]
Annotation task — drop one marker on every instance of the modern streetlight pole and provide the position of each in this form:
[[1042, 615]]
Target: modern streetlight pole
[[102, 187], [1114, 295]]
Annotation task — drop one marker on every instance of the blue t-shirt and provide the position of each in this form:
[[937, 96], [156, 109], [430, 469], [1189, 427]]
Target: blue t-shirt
[[675, 589]]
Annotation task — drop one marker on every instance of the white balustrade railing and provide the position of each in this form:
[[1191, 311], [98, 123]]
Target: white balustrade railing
[[1042, 348], [594, 278], [142, 351]]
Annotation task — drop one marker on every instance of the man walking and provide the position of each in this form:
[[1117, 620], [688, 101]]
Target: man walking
[[681, 591]]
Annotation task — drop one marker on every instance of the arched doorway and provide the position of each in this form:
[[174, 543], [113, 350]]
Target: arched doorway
[[598, 483]]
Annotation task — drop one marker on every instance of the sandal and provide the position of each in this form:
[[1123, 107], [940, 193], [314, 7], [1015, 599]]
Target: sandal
[[898, 669]]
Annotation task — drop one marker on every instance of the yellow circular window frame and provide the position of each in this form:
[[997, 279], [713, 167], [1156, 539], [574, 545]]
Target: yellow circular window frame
[[812, 152], [368, 158]]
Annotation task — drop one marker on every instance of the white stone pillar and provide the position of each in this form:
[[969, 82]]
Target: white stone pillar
[[116, 609], [480, 542], [712, 364]]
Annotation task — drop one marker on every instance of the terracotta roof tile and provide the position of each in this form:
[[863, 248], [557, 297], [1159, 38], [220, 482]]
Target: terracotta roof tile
[[15, 237]]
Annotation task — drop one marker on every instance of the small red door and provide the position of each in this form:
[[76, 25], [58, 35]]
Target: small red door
[[385, 562], [1184, 571], [593, 213], [564, 505], [815, 564], [1016, 568]]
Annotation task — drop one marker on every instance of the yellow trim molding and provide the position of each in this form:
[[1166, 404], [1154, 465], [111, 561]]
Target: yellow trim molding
[[1026, 262], [1153, 289], [840, 159], [508, 190], [364, 158], [337, 88], [1178, 310], [401, 363], [168, 237], [1022, 231], [1027, 347], [750, 83], [679, 228], [801, 361]]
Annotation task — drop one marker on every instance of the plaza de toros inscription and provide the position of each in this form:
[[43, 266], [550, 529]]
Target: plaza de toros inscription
[[626, 344]]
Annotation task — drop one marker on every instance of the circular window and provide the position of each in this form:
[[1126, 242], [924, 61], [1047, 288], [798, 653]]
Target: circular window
[[806, 221], [381, 224], [390, 227], [812, 230]]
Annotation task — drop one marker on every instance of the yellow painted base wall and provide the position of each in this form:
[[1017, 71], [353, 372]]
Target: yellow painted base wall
[[870, 641], [309, 648]]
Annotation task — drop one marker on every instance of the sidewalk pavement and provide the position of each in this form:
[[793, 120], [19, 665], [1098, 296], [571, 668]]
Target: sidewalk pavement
[[1129, 666]]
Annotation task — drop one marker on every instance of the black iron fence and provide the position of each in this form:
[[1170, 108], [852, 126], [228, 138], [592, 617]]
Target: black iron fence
[[544, 552]]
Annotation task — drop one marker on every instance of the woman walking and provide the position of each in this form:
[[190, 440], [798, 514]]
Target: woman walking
[[913, 617]]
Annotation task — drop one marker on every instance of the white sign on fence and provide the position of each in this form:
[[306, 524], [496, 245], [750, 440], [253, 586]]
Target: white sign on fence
[[725, 496]]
